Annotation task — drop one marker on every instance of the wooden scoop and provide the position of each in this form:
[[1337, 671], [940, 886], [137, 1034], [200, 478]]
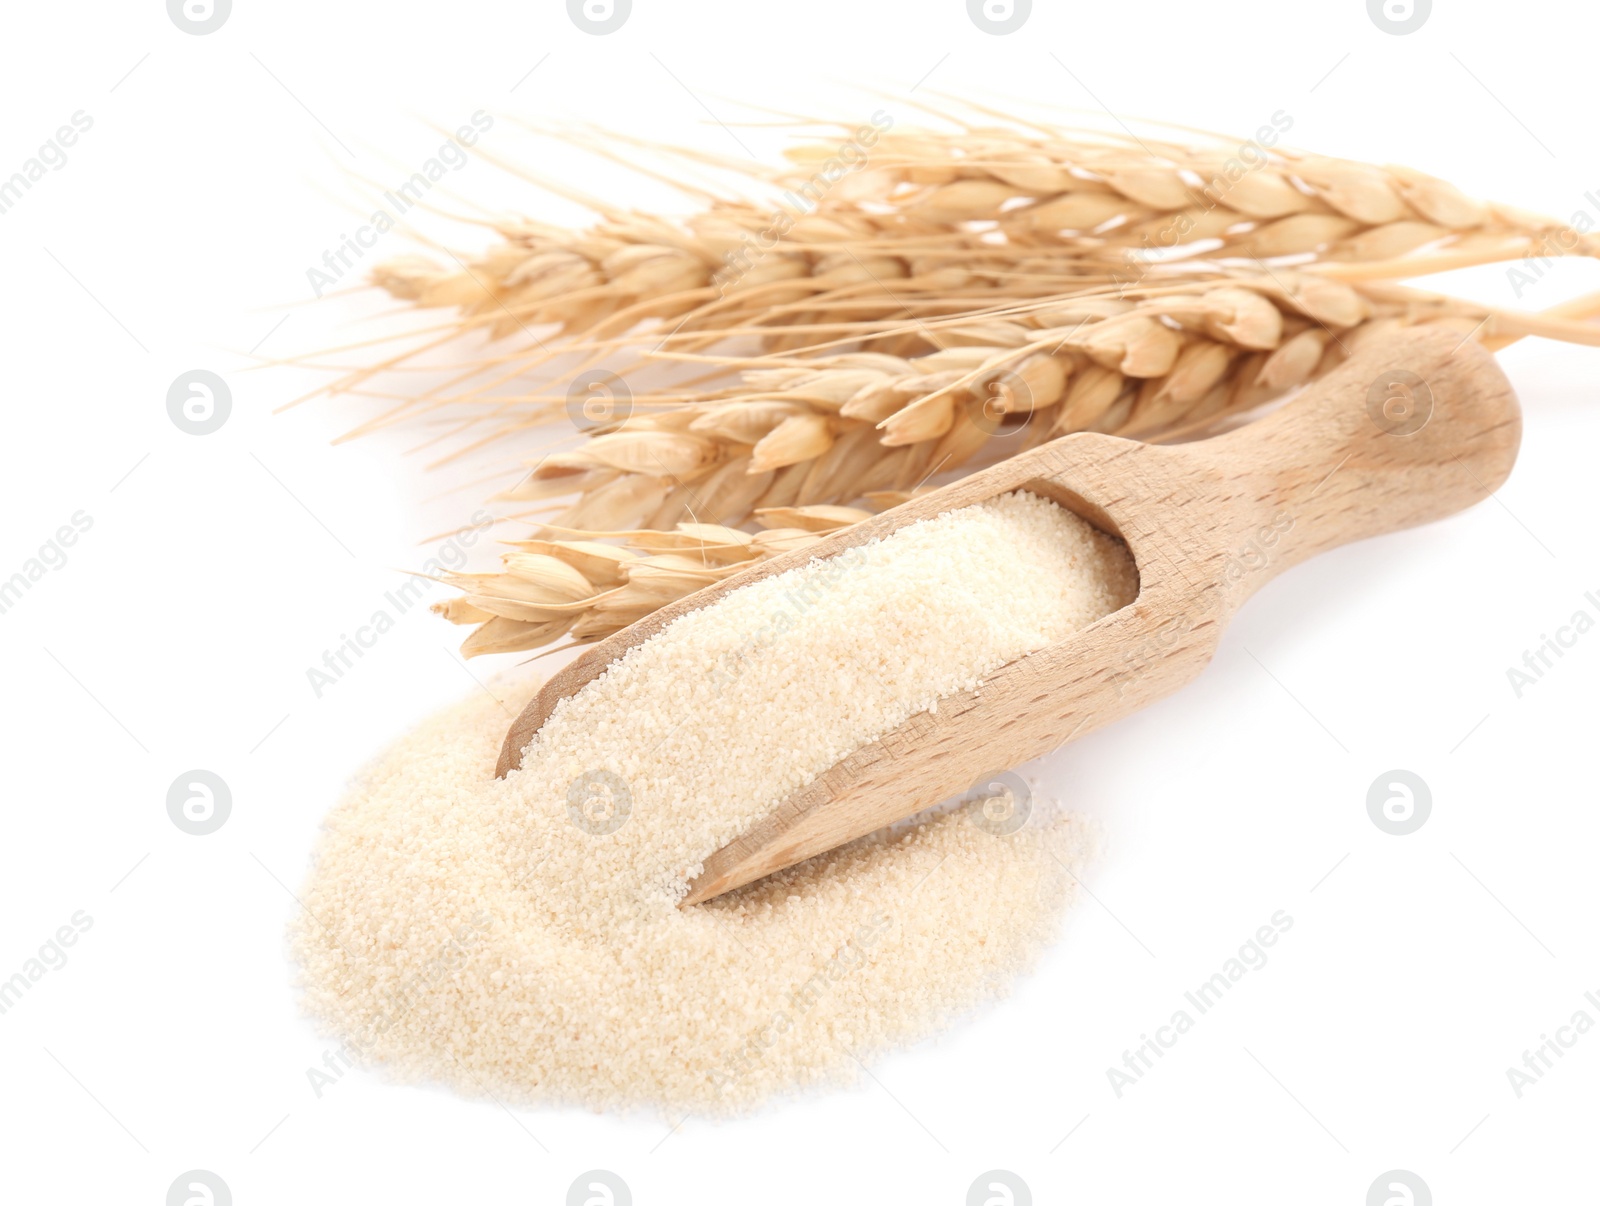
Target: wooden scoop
[[1415, 427]]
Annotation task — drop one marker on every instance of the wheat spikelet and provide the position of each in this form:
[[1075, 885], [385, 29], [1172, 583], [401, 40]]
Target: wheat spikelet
[[1168, 361], [1121, 192], [967, 295], [938, 225], [705, 281], [963, 214], [586, 589], [1190, 351]]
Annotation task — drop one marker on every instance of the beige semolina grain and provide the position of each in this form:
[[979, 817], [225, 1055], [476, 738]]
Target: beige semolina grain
[[521, 937]]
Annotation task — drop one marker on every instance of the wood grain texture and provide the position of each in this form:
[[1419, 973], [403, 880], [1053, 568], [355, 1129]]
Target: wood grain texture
[[1207, 524]]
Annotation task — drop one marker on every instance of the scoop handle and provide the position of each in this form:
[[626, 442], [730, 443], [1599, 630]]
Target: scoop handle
[[1415, 426]]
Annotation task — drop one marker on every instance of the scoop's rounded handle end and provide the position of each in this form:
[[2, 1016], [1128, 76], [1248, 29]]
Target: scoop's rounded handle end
[[1415, 426]]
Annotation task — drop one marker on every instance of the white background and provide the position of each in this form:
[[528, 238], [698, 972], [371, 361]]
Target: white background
[[219, 568]]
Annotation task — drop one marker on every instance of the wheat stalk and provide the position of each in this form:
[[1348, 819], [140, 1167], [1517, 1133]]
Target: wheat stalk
[[587, 589], [1127, 192], [1176, 354], [966, 296], [939, 224], [798, 439], [973, 210]]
